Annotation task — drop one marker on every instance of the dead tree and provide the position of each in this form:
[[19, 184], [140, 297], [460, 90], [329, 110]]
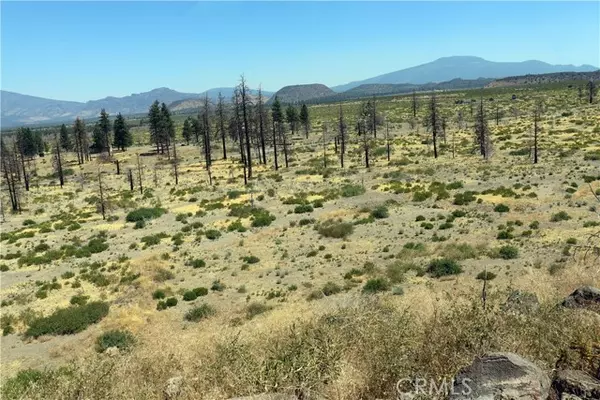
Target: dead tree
[[221, 122], [140, 174], [591, 90], [275, 145], [324, 145], [10, 170], [342, 128], [387, 139], [537, 113], [261, 124], [102, 204], [175, 162], [482, 133], [118, 167], [58, 161], [434, 123], [130, 176], [414, 104], [245, 102]]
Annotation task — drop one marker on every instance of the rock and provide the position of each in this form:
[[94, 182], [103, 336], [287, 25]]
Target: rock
[[501, 376], [112, 351], [521, 302], [173, 388], [584, 297], [569, 384]]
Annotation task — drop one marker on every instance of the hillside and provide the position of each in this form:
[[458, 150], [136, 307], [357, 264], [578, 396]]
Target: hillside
[[464, 67], [545, 78], [193, 104], [300, 93]]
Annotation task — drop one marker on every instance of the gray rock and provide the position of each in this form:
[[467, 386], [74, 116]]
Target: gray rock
[[584, 297], [576, 384], [173, 388], [521, 302], [501, 376], [112, 351]]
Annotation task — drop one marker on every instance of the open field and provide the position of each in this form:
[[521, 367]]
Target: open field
[[313, 278]]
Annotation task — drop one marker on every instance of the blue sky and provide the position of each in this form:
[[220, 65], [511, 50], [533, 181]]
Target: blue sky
[[89, 50]]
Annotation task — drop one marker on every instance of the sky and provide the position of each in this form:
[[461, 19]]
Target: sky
[[89, 50]]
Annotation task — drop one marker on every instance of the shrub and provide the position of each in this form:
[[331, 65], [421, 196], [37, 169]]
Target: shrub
[[68, 275], [504, 235], [461, 199], [158, 294], [380, 212], [79, 300], [68, 320], [251, 259], [352, 190], [190, 295], [443, 267], [236, 226], [171, 302], [217, 286], [197, 263], [508, 252], [145, 214], [501, 208], [212, 234], [4, 268], [331, 288], [255, 308], [200, 291], [376, 285], [29, 222], [420, 218], [121, 339], [485, 276], [560, 216], [303, 208], [262, 218], [334, 229], [315, 295], [199, 313]]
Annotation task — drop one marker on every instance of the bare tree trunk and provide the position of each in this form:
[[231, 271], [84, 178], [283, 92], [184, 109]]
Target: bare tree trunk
[[246, 127], [130, 176], [275, 145], [176, 163], [140, 174], [387, 139], [101, 190]]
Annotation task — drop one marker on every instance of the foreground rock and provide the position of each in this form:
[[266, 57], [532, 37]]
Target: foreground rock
[[501, 376], [575, 385], [585, 297]]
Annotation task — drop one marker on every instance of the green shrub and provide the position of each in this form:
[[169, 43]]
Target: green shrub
[[352, 190], [376, 285], [68, 275], [171, 302], [303, 208], [485, 276], [331, 288], [560, 216], [262, 217], [501, 208], [68, 320], [250, 259], [121, 339], [443, 267], [255, 308], [29, 222], [79, 300], [145, 214], [200, 291], [236, 226], [158, 294], [199, 313], [212, 234], [217, 286], [334, 229], [197, 263], [508, 252], [380, 212], [190, 295], [461, 199]]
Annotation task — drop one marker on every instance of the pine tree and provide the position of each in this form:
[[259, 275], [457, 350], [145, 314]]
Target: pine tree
[[122, 136], [186, 131], [154, 119], [81, 141], [292, 118], [104, 127], [166, 127], [434, 123], [65, 139], [305, 119], [26, 142]]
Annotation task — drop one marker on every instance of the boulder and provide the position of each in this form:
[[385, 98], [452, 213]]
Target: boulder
[[584, 297], [571, 384], [501, 376], [521, 302]]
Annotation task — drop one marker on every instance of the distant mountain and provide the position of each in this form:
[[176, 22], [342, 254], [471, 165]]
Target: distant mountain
[[545, 78], [300, 93], [192, 104], [464, 67], [19, 109]]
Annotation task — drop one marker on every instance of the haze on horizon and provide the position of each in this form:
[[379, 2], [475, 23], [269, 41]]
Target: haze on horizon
[[89, 50]]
